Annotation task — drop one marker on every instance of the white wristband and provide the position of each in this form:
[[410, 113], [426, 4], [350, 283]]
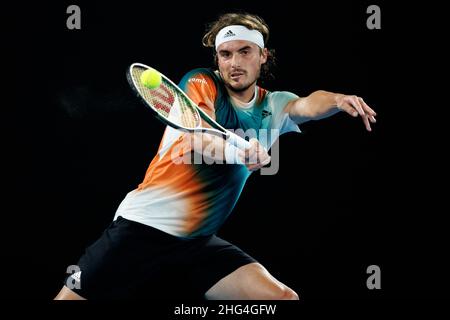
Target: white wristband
[[231, 154]]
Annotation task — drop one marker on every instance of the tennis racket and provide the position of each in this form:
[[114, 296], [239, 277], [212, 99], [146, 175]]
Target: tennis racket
[[173, 107]]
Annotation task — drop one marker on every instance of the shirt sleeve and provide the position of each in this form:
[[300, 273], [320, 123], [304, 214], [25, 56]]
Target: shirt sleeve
[[200, 87], [280, 119]]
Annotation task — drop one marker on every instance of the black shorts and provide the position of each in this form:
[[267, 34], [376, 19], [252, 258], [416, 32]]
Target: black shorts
[[132, 260]]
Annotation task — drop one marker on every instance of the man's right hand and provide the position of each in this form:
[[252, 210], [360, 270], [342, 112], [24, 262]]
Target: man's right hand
[[255, 157]]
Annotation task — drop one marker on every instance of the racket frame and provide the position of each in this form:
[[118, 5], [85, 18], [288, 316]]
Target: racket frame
[[216, 129]]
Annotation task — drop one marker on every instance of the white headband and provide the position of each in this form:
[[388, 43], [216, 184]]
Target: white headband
[[237, 32]]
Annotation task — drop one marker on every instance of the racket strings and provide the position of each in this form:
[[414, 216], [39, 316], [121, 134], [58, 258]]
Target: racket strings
[[167, 101], [189, 116]]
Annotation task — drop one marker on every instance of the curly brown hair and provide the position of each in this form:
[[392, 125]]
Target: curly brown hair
[[252, 22]]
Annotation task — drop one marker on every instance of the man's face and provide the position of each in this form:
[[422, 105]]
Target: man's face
[[240, 63]]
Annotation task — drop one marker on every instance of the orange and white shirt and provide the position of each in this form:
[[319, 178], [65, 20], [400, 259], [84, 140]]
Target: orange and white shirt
[[194, 199]]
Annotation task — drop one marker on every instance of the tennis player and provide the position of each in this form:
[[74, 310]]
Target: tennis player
[[162, 240]]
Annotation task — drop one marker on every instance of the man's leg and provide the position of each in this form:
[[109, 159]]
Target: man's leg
[[251, 281], [67, 294]]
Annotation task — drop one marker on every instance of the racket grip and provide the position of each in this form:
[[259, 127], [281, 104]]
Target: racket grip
[[237, 141]]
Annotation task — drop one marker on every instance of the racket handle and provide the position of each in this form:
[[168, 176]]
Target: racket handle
[[237, 141]]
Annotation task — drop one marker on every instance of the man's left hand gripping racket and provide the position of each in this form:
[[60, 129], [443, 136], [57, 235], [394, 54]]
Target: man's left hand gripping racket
[[173, 107]]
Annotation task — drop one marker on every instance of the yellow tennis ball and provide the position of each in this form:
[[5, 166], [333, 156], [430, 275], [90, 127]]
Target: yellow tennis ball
[[151, 78]]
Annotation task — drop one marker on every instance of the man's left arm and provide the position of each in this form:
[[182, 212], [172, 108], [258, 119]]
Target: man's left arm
[[321, 104]]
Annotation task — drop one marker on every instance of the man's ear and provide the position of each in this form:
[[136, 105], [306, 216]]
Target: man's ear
[[264, 54]]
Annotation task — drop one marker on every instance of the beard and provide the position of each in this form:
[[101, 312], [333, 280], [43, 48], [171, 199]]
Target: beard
[[244, 87], [240, 89]]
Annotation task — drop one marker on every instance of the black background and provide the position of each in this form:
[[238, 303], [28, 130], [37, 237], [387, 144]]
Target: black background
[[76, 141]]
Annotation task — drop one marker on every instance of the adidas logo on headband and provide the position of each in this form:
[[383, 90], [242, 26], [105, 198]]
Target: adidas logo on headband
[[229, 34]]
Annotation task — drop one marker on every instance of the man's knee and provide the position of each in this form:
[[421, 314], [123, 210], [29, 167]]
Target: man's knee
[[276, 290], [271, 288], [288, 294], [280, 293], [67, 294]]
